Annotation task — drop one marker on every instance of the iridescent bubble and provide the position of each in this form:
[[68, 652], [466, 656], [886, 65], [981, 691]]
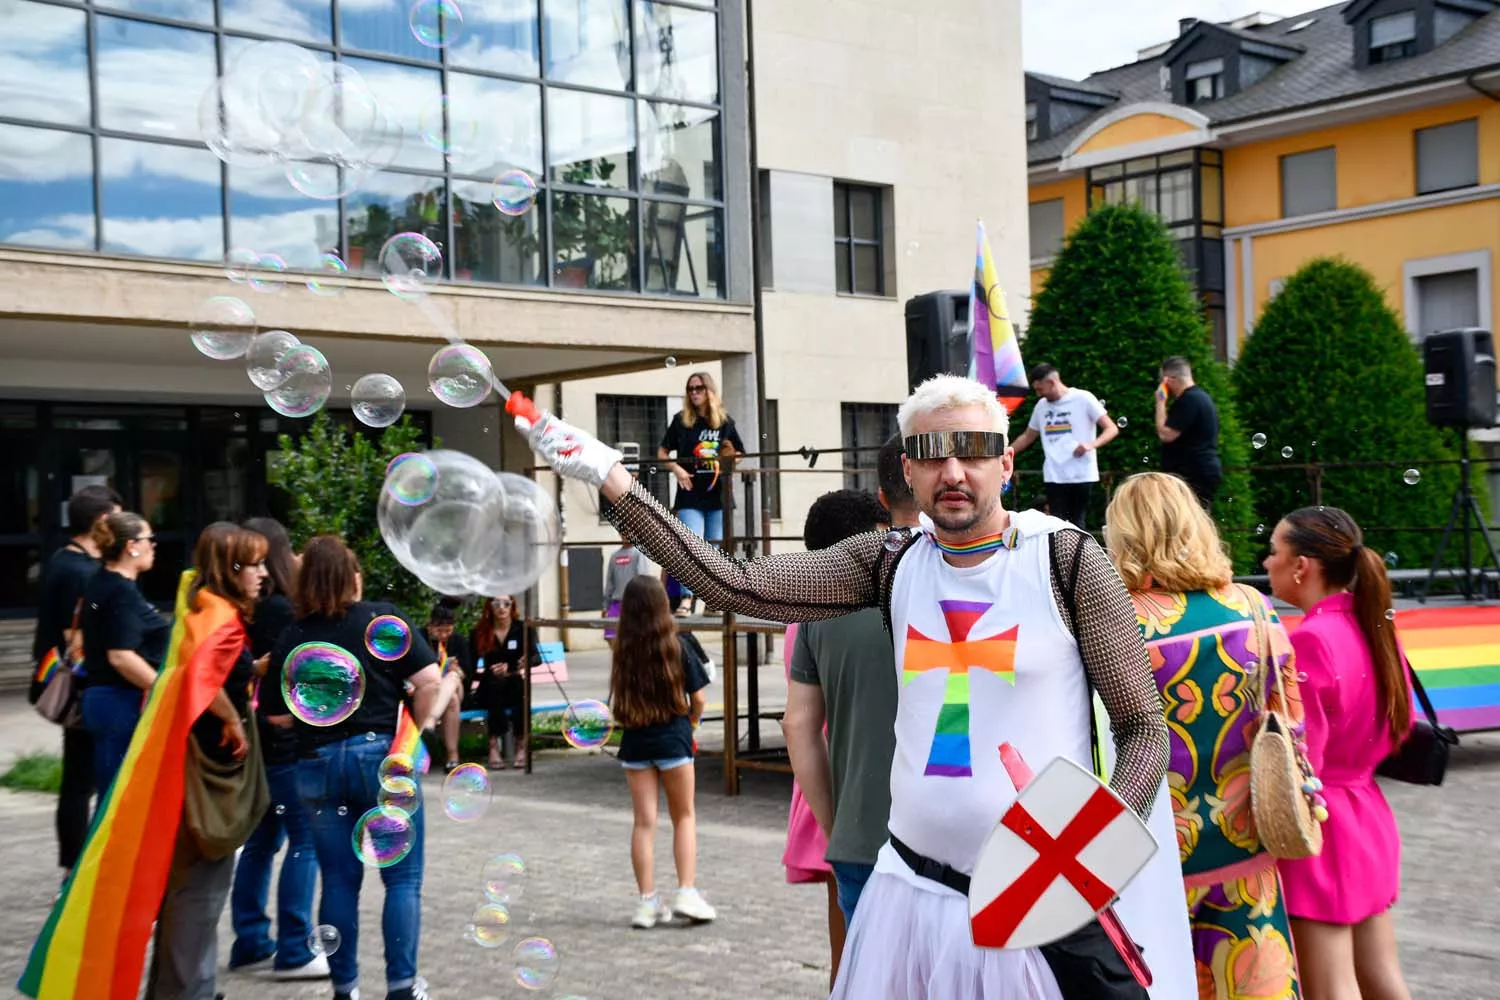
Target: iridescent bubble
[[1260, 529], [1391, 559], [1258, 441], [1123, 422], [324, 940], [587, 725], [449, 538], [504, 877], [411, 479], [268, 274], [1390, 614], [388, 637], [400, 793], [383, 836], [894, 540], [1411, 477], [237, 264], [490, 925], [322, 683], [223, 327], [409, 264], [523, 531], [447, 129], [436, 23], [466, 792], [671, 362], [1286, 452], [536, 963], [264, 356], [395, 768], [514, 192], [459, 375], [330, 266], [306, 383], [377, 400]]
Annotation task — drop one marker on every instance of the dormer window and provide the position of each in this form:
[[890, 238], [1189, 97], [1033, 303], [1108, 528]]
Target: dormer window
[[1031, 127], [1393, 37], [1210, 62], [1205, 81]]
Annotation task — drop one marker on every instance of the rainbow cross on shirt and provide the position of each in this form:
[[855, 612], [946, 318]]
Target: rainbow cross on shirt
[[949, 757]]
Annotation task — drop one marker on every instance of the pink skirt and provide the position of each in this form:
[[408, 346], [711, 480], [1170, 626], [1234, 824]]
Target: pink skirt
[[805, 844]]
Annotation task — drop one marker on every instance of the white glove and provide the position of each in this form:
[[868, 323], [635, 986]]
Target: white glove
[[571, 452]]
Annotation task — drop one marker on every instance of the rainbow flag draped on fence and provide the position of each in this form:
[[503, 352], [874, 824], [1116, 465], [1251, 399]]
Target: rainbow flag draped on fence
[[994, 352], [94, 943]]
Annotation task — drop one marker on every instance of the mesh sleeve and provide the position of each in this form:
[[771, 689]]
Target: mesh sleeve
[[1118, 667], [786, 587]]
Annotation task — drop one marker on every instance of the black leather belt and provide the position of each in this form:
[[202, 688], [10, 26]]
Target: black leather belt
[[929, 868]]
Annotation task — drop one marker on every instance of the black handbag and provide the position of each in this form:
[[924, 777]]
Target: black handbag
[[1422, 758]]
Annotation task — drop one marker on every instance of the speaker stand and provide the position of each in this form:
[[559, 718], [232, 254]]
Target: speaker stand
[[1466, 516]]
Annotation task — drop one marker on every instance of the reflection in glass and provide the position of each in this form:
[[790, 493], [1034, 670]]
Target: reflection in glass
[[225, 461], [151, 77], [679, 151], [160, 484], [590, 138], [46, 188], [684, 249], [381, 27], [44, 69], [387, 204], [499, 36], [304, 20], [676, 52], [490, 246], [502, 123], [405, 94], [160, 201], [588, 42], [197, 11], [594, 238], [864, 212], [267, 216]]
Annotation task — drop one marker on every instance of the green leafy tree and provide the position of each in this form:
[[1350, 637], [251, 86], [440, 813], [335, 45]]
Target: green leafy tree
[[1116, 305], [1331, 373]]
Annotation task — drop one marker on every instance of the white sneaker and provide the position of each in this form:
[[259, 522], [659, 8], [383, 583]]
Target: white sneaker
[[315, 969], [649, 912], [692, 905]]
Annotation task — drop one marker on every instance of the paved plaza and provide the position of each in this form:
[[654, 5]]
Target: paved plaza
[[570, 821]]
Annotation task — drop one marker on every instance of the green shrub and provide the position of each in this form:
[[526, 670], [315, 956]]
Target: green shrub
[[34, 772]]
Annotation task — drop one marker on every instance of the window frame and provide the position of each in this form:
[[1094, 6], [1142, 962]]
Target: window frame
[[848, 244], [610, 408], [1417, 134], [862, 468], [1281, 176], [1403, 49]]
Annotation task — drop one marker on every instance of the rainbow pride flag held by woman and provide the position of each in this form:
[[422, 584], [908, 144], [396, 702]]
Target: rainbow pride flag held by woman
[[94, 943], [994, 352]]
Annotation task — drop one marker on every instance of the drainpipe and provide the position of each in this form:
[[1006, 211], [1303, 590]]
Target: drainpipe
[[756, 277], [557, 490]]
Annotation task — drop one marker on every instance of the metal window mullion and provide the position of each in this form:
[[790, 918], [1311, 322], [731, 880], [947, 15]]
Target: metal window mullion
[[636, 183], [545, 261], [879, 241], [224, 201], [450, 227], [91, 47]]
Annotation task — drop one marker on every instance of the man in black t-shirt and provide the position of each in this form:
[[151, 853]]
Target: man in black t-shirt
[[1189, 431], [64, 578]]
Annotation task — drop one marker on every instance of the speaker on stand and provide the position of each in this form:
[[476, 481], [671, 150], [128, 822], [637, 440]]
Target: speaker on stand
[[1461, 393], [937, 336]]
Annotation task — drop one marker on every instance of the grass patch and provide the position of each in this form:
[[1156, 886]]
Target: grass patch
[[35, 772]]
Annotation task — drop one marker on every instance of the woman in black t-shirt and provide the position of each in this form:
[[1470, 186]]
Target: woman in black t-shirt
[[699, 436], [338, 774], [656, 696], [124, 641], [503, 648]]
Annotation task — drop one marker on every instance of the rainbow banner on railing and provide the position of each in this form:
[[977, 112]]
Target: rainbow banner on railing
[[994, 352]]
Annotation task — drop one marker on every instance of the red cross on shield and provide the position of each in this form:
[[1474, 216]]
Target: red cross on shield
[[1060, 854]]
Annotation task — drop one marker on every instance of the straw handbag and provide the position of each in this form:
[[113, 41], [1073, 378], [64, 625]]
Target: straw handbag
[[1281, 780]]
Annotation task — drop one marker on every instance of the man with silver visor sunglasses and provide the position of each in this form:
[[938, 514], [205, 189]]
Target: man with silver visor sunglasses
[[1006, 624]]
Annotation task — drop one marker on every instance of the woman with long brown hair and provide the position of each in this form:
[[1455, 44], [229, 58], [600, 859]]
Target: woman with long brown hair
[[503, 648], [656, 696], [1357, 699]]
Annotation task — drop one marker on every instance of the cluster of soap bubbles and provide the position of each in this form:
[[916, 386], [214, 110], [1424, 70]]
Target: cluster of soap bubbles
[[462, 528], [534, 960]]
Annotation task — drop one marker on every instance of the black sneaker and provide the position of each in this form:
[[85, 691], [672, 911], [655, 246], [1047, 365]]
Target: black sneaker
[[351, 995], [416, 991]]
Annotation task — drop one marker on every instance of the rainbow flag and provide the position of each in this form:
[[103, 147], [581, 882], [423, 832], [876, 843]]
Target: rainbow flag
[[950, 754], [994, 352], [47, 667], [94, 942], [409, 741]]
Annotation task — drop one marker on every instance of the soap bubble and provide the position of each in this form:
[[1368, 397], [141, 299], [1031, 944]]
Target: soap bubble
[[1260, 529], [450, 534], [378, 400], [237, 264], [388, 637], [383, 836], [323, 683], [324, 940], [1123, 423], [894, 540], [411, 479], [459, 375], [671, 362], [1411, 477], [526, 534], [409, 264], [1286, 452], [436, 23], [341, 133], [514, 192], [536, 963], [490, 925], [306, 383], [586, 725], [264, 356], [222, 328], [1258, 441], [330, 265], [503, 878], [400, 793], [267, 274], [466, 792], [1391, 559], [395, 768], [1390, 614]]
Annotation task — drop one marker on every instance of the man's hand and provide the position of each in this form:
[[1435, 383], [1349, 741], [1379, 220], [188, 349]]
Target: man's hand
[[1082, 450], [234, 738], [571, 452]]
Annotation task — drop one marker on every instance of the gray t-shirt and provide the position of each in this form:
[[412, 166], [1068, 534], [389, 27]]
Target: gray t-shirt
[[851, 659], [625, 565]]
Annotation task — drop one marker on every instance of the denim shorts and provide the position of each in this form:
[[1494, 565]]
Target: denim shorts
[[664, 764]]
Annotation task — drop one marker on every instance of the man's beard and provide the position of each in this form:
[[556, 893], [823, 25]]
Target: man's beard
[[956, 522]]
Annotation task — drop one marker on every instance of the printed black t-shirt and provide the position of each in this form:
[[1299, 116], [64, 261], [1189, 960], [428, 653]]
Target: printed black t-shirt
[[64, 579], [1195, 453], [117, 616], [697, 449], [672, 739]]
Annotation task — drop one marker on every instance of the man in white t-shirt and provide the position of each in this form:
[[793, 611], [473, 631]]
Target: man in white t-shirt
[[1072, 425]]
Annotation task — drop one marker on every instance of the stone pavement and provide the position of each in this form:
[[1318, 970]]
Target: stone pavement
[[571, 819]]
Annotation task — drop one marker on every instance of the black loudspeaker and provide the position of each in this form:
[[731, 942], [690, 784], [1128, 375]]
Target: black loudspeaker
[[937, 336], [1460, 366]]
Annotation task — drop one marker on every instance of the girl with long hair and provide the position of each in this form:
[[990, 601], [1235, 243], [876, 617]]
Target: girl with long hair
[[1357, 695], [656, 687], [503, 648]]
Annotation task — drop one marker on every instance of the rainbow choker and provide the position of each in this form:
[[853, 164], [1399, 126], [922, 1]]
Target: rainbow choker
[[1007, 539]]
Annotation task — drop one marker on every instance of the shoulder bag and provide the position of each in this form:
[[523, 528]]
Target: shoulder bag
[[224, 803], [58, 701], [1422, 758]]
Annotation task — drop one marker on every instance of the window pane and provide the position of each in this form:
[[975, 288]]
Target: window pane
[[1176, 196], [1393, 29], [684, 251], [1212, 179], [590, 138], [676, 52], [267, 216], [44, 68], [1448, 157], [867, 277], [491, 246], [387, 204], [199, 11], [381, 28], [1308, 183], [497, 123], [160, 201], [304, 20], [1208, 67], [842, 281], [841, 210], [152, 77], [499, 36], [595, 238], [407, 95], [46, 188], [1104, 173], [864, 211], [1046, 227], [679, 151], [588, 42], [225, 461]]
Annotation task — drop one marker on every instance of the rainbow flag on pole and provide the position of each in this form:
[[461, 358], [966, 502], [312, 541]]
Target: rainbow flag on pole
[[94, 942], [994, 352]]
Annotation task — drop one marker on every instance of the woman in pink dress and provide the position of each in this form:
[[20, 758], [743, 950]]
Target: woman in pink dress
[[1357, 699]]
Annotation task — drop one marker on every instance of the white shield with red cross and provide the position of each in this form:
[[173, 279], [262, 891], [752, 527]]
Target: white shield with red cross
[[1061, 853]]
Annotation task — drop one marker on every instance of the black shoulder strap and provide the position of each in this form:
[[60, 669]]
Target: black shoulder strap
[[884, 571], [1432, 717], [1069, 591]]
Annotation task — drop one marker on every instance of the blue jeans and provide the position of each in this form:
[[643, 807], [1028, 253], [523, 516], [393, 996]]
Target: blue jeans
[[339, 785], [287, 821], [110, 714], [708, 524], [851, 877]]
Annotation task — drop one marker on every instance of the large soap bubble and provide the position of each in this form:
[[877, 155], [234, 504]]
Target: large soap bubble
[[527, 537], [223, 327]]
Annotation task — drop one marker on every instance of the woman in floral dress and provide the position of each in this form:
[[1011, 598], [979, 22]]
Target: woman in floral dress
[[1199, 631]]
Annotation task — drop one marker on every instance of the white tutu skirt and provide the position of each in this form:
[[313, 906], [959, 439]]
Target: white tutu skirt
[[910, 944]]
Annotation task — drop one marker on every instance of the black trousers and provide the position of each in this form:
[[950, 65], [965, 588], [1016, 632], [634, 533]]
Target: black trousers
[[74, 796], [1070, 501]]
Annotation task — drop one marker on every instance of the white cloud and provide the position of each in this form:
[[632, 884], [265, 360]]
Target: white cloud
[[1074, 38]]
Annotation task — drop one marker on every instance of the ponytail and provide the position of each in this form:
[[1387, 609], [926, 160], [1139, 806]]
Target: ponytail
[[115, 531], [1372, 600]]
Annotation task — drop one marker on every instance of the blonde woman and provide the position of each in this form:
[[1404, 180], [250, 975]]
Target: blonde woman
[[699, 435], [1199, 631]]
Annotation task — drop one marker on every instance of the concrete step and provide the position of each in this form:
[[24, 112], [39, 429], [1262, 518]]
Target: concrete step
[[15, 653]]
